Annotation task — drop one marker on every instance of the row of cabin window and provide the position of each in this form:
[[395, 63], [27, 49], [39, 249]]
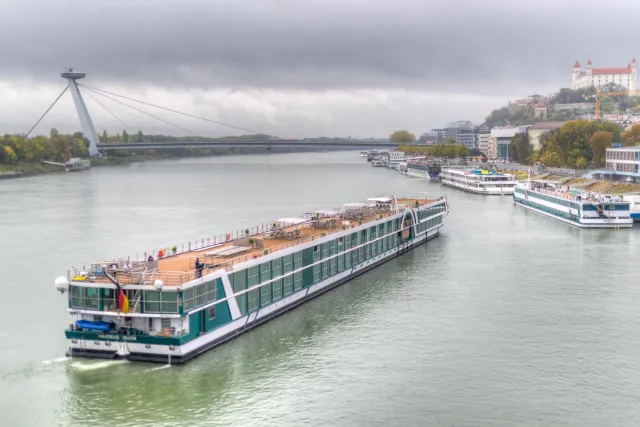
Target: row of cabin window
[[430, 212], [553, 211], [424, 226], [419, 167], [153, 301], [200, 295], [348, 257], [550, 199], [85, 297], [555, 200], [266, 294], [273, 291]]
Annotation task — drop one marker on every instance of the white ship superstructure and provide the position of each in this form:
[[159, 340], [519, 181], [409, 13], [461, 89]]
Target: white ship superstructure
[[480, 181]]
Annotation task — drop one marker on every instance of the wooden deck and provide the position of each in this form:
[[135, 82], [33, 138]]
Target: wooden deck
[[175, 270]]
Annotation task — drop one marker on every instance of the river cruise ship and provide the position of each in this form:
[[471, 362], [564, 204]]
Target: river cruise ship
[[634, 206], [423, 169], [172, 305], [480, 181], [575, 207]]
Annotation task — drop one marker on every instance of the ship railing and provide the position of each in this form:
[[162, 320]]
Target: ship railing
[[140, 261], [141, 271]]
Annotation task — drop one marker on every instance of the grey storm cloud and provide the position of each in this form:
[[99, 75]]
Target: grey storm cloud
[[441, 45]]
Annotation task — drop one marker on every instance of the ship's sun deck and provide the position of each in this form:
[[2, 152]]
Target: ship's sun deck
[[180, 268]]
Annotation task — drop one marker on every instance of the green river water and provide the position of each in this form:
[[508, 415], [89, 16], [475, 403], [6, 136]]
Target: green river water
[[507, 319]]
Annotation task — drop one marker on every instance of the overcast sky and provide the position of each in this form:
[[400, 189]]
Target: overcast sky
[[297, 68]]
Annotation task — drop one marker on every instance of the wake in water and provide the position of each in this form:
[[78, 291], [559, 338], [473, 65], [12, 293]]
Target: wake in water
[[52, 361], [157, 368], [85, 366]]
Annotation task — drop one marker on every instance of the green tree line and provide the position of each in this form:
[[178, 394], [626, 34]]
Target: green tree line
[[581, 143], [437, 150], [56, 148], [60, 148]]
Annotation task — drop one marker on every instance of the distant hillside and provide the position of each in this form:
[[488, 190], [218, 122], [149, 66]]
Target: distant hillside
[[566, 104]]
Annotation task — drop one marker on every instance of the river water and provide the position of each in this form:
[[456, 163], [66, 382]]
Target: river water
[[507, 319]]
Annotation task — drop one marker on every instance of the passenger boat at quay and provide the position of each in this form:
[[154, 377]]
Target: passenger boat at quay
[[480, 181], [423, 169], [579, 208], [185, 301], [634, 206]]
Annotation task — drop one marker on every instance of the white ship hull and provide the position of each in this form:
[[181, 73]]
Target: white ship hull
[[410, 172], [476, 190], [569, 215], [182, 353]]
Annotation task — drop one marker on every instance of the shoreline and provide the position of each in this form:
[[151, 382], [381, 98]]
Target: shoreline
[[21, 170]]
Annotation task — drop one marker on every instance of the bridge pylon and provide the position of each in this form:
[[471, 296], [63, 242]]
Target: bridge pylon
[[86, 123]]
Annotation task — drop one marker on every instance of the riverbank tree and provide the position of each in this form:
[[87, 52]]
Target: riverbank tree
[[437, 150], [22, 153], [520, 148], [402, 136], [572, 144], [631, 136]]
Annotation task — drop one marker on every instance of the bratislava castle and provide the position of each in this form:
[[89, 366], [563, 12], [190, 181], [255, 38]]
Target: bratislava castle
[[598, 77]]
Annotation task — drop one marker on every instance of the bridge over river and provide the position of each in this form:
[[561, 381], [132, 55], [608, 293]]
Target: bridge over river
[[95, 146], [346, 143]]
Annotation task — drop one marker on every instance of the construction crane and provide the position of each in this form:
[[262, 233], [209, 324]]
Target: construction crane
[[598, 94]]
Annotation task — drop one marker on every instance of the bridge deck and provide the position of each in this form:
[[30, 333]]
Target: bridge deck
[[356, 145], [175, 270]]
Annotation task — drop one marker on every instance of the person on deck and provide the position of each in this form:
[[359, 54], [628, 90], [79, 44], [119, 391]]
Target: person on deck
[[199, 267]]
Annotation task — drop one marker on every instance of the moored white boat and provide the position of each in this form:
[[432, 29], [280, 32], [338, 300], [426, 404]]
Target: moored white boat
[[479, 181], [634, 206], [579, 208]]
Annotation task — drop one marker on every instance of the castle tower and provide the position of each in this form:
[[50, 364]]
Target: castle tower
[[589, 68], [634, 75], [577, 69], [86, 123]]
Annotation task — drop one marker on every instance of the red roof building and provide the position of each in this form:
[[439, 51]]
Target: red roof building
[[599, 77]]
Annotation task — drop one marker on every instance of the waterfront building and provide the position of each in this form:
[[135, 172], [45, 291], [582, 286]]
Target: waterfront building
[[461, 131], [598, 77], [468, 138], [536, 131], [501, 138], [434, 136], [623, 159], [484, 133]]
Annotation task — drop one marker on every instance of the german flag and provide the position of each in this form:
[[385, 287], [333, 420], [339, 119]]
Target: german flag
[[123, 301]]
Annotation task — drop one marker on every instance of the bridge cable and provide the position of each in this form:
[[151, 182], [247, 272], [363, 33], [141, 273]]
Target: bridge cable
[[174, 111], [144, 112], [108, 111], [45, 113]]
